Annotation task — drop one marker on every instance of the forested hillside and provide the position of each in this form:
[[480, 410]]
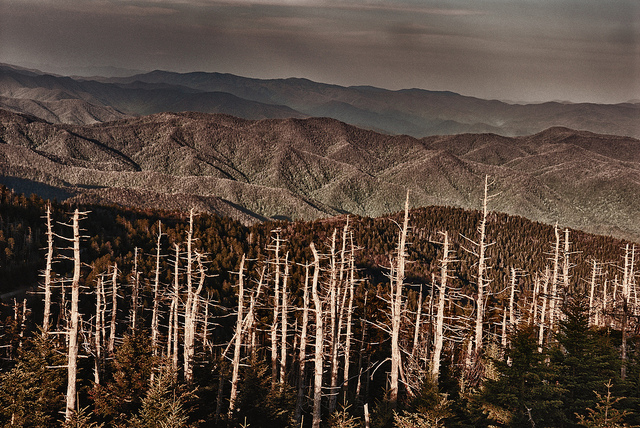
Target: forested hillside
[[432, 317]]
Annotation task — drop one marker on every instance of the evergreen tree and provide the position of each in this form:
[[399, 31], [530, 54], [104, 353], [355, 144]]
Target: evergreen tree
[[523, 393], [585, 359], [32, 393]]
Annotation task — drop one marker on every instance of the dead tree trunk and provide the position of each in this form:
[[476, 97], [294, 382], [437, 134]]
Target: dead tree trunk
[[155, 328], [347, 345], [438, 338], [302, 353], [276, 312], [482, 266], [99, 325], [283, 324], [175, 300], [47, 275], [397, 283], [554, 281], [134, 292], [72, 357], [238, 342], [114, 309], [592, 289], [317, 385], [543, 311], [333, 327]]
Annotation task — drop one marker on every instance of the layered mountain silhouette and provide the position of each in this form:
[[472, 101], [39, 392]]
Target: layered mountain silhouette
[[414, 112], [317, 167]]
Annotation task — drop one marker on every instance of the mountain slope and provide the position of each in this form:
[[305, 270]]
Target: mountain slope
[[310, 168], [414, 112]]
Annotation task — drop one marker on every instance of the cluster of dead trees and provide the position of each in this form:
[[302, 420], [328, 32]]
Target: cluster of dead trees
[[308, 331]]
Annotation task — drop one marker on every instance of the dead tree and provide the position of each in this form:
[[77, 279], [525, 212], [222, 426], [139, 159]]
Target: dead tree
[[99, 330], [283, 324], [302, 352], [397, 283], [191, 305], [114, 309], [318, 360], [72, 356], [155, 328], [438, 338], [347, 345], [238, 341], [554, 281], [135, 283], [276, 312], [46, 322], [482, 268]]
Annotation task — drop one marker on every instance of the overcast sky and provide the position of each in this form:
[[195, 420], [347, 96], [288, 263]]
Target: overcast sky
[[519, 50]]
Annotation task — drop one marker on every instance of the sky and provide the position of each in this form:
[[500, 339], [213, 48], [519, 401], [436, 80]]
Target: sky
[[514, 50]]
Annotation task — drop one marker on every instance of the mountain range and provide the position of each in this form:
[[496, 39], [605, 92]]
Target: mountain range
[[306, 168], [414, 112]]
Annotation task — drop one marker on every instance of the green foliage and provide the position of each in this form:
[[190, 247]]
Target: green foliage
[[163, 405], [524, 390], [122, 394], [585, 359], [81, 419], [32, 393], [605, 414], [343, 419]]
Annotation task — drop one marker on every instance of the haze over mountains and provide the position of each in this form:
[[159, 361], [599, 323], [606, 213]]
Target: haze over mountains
[[315, 167], [413, 112]]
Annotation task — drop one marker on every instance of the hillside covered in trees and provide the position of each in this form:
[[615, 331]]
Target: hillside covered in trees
[[432, 317]]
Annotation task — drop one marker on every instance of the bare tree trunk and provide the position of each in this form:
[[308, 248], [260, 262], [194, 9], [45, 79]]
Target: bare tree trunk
[[302, 353], [363, 328], [276, 312], [594, 272], [175, 300], [238, 342], [333, 327], [543, 311], [347, 345], [397, 283], [155, 329], [134, 292], [512, 313], [189, 332], [283, 322], [481, 270], [317, 388], [72, 358], [114, 309], [439, 333], [416, 330], [533, 312], [46, 323], [98, 331], [554, 281]]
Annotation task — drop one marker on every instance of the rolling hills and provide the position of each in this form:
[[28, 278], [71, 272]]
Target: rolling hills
[[318, 167], [415, 112]]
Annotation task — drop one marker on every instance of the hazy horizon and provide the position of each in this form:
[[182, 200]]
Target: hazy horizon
[[512, 50]]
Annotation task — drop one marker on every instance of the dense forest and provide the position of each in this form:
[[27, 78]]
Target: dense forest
[[429, 317]]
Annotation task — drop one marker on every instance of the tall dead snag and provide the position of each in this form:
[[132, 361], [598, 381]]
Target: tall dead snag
[[347, 343], [554, 281], [482, 267], [333, 326], [238, 342], [99, 330], [438, 337], [172, 340], [592, 289], [46, 322], [317, 383], [302, 353], [135, 282], [155, 330], [397, 282], [626, 295], [114, 309], [191, 306], [283, 323], [276, 312], [543, 311], [72, 357]]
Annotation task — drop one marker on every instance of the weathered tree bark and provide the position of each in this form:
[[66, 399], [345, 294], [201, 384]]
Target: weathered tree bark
[[99, 326], [238, 342], [72, 357], [114, 309], [438, 337], [134, 292], [155, 325], [302, 353], [592, 289], [347, 345], [397, 283], [46, 322], [276, 312], [512, 312], [482, 266], [317, 385], [543, 311], [554, 282], [283, 324], [333, 327], [189, 330], [192, 321]]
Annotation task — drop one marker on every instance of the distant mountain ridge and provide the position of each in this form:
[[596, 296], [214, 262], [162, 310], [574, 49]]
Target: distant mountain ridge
[[318, 167], [414, 112]]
